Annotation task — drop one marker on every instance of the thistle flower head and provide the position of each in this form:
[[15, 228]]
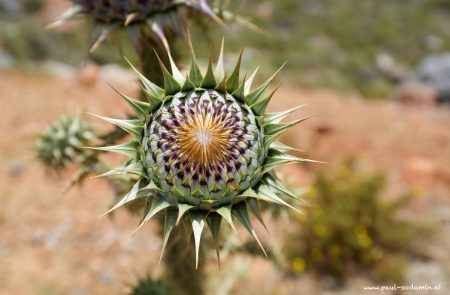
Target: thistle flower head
[[159, 16], [204, 149], [62, 143]]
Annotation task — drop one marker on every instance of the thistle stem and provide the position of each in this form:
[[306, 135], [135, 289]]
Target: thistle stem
[[179, 261]]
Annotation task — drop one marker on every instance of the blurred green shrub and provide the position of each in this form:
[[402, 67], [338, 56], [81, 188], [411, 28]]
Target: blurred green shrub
[[348, 227], [148, 286], [336, 44]]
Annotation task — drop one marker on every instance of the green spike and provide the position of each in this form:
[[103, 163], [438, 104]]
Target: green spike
[[280, 188], [130, 17], [260, 106], [253, 205], [256, 95], [198, 223], [188, 85], [151, 88], [276, 145], [171, 86], [170, 219], [156, 28], [232, 82], [219, 72], [239, 92], [157, 204], [151, 187], [154, 102], [276, 158], [209, 81], [133, 126], [249, 82], [99, 34], [240, 212], [130, 196], [265, 193], [222, 86], [182, 209], [277, 129], [274, 130], [248, 193], [194, 72], [279, 116], [128, 149], [225, 212], [175, 71], [66, 15], [214, 220], [131, 167], [141, 108]]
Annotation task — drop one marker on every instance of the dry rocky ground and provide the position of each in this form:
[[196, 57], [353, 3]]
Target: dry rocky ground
[[52, 243]]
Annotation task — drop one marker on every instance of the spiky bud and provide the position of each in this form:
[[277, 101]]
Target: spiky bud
[[204, 149], [62, 143]]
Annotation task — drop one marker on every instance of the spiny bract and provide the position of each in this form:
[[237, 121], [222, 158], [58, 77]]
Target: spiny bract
[[62, 143], [204, 149], [112, 16]]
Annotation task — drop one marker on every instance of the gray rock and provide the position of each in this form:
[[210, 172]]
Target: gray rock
[[59, 69], [6, 60], [389, 67], [434, 71], [10, 6]]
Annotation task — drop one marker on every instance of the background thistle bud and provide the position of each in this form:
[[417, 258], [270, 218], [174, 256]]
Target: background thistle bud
[[160, 17], [204, 149], [62, 143]]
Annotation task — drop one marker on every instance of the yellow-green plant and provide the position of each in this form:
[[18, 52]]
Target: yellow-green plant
[[348, 226]]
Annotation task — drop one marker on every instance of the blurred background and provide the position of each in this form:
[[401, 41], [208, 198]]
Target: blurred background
[[376, 74]]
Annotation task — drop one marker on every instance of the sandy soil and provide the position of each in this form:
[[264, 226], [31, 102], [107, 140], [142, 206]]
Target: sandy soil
[[52, 243]]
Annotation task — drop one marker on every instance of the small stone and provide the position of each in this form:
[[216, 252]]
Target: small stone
[[16, 169], [416, 93], [89, 74]]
